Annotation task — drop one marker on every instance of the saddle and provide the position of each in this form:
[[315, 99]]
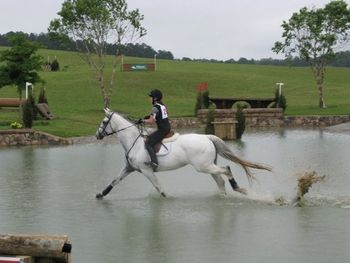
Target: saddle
[[170, 137]]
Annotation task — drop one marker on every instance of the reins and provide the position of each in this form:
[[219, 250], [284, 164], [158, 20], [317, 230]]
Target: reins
[[139, 126], [108, 122]]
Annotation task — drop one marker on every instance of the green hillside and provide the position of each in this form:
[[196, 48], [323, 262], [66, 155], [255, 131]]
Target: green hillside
[[75, 99]]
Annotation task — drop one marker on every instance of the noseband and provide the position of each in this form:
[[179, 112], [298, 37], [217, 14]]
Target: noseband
[[103, 133]]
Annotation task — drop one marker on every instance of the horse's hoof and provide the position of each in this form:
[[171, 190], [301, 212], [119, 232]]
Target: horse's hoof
[[162, 194], [99, 196], [243, 191]]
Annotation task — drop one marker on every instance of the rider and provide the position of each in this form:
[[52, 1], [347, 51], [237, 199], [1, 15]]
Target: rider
[[159, 115]]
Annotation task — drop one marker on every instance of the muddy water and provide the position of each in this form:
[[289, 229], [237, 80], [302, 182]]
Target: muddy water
[[51, 190]]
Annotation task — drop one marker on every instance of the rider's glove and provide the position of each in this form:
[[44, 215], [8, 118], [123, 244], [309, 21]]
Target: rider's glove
[[140, 121]]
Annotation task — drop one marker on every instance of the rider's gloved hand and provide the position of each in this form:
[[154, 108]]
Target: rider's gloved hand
[[140, 121]]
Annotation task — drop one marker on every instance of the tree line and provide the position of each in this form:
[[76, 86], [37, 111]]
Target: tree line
[[342, 59], [132, 50]]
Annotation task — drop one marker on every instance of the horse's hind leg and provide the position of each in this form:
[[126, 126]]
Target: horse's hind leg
[[233, 182], [123, 173], [220, 182], [217, 170]]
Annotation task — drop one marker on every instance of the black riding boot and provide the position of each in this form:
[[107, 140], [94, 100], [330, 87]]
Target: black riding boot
[[152, 154]]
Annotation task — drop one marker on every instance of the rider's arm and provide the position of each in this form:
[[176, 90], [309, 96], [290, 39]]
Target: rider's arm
[[152, 117], [150, 120]]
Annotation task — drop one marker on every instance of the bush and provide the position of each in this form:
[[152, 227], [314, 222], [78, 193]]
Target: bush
[[209, 127], [280, 100], [205, 99], [31, 100], [16, 125], [55, 66], [42, 96], [202, 101], [240, 125], [28, 112], [199, 103]]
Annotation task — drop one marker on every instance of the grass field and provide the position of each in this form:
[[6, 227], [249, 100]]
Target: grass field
[[75, 99]]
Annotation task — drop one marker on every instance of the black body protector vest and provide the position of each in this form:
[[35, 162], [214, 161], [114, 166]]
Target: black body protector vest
[[161, 116]]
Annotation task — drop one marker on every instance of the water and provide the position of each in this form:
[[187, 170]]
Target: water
[[50, 190]]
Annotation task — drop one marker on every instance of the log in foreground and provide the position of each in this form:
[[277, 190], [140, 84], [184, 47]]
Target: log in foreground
[[56, 247]]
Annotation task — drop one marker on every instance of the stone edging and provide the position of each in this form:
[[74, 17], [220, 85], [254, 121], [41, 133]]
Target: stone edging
[[275, 118], [21, 137]]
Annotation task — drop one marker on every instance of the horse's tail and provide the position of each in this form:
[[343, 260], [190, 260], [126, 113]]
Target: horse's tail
[[223, 150]]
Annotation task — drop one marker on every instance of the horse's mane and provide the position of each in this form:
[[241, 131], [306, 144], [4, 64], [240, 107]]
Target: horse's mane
[[132, 121], [126, 117]]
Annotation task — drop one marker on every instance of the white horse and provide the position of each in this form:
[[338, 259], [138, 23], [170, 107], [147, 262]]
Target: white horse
[[196, 149]]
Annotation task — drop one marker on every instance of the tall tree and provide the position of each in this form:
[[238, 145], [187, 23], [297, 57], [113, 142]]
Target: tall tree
[[91, 24], [20, 63], [314, 34]]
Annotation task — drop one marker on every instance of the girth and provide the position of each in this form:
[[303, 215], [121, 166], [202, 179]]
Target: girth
[[159, 145]]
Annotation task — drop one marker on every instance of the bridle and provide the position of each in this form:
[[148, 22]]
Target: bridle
[[105, 133], [105, 125]]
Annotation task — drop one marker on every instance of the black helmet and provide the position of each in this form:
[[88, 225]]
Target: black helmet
[[156, 94]]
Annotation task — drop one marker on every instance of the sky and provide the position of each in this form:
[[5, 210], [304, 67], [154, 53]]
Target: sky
[[211, 29]]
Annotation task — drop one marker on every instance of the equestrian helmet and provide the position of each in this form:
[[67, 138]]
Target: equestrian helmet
[[156, 94]]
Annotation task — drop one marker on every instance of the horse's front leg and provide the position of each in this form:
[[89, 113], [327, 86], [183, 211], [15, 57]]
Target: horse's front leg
[[154, 180], [123, 173]]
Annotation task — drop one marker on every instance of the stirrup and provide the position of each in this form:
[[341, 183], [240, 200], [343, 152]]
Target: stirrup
[[153, 165]]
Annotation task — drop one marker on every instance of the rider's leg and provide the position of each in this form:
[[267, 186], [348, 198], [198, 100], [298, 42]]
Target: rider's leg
[[152, 154], [151, 141]]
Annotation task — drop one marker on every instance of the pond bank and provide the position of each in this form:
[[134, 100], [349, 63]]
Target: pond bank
[[21, 137]]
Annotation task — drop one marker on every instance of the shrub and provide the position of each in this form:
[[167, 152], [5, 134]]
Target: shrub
[[16, 125], [31, 100], [202, 101], [240, 125], [205, 99], [55, 66], [209, 127], [199, 103], [280, 100], [28, 112], [42, 96]]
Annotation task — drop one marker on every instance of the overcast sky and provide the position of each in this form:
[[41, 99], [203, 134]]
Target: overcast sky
[[219, 29]]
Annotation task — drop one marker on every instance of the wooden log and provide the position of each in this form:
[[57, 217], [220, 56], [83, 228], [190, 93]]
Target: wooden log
[[56, 247], [11, 102], [19, 259]]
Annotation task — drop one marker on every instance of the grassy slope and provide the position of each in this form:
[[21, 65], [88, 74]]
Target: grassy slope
[[75, 99]]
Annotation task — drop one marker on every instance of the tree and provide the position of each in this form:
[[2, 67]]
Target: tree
[[313, 35], [163, 54], [20, 63], [91, 24]]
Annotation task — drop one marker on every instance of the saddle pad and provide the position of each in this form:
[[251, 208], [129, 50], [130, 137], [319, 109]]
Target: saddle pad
[[172, 138]]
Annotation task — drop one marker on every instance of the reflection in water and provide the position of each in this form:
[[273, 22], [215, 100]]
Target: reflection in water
[[51, 190]]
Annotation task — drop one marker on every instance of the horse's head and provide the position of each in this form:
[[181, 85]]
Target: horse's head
[[105, 127]]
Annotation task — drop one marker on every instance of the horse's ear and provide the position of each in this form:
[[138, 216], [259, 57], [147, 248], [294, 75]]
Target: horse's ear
[[106, 110]]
